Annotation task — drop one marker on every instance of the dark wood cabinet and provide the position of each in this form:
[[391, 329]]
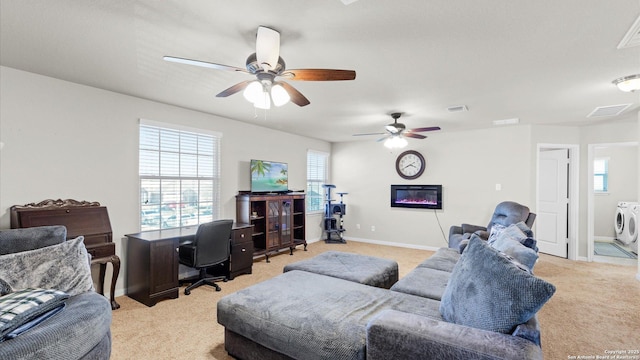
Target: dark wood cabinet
[[241, 261], [152, 269], [278, 221]]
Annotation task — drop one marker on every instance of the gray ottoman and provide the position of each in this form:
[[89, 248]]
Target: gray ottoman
[[367, 270]]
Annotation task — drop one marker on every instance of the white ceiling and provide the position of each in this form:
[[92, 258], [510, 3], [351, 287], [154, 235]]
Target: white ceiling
[[543, 61]]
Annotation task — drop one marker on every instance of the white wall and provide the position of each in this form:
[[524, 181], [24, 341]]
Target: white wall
[[468, 164], [64, 140]]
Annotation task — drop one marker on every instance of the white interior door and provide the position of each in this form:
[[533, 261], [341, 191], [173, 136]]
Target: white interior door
[[553, 201]]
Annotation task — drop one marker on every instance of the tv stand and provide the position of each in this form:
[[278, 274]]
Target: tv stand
[[278, 221]]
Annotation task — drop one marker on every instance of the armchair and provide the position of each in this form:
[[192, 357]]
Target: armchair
[[505, 214], [41, 257], [210, 247]]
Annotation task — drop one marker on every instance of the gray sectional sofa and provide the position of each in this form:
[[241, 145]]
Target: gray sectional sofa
[[478, 305], [76, 321]]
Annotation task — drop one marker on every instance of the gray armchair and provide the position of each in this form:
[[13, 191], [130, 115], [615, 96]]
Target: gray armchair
[[505, 214], [82, 328]]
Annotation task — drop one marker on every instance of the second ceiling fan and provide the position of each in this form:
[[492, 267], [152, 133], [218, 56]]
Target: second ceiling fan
[[396, 131], [266, 64]]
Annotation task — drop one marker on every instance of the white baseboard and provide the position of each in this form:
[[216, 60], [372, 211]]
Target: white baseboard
[[390, 243], [604, 238]]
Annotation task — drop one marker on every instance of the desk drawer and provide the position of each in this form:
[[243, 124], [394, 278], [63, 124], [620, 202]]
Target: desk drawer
[[241, 235], [104, 250]]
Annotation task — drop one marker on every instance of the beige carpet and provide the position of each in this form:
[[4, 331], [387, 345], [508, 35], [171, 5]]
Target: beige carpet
[[596, 308]]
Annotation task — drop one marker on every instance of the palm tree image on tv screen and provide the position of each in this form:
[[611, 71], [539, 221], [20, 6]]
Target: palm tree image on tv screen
[[269, 176]]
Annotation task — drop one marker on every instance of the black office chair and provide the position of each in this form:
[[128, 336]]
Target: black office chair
[[210, 247]]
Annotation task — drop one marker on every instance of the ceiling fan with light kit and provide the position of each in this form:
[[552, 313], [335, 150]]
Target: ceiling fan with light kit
[[266, 64], [397, 132]]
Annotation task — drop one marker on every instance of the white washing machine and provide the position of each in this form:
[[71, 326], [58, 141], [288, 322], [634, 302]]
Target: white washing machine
[[621, 223], [632, 227]]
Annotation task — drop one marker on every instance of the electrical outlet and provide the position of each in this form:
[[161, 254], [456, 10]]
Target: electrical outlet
[[373, 228]]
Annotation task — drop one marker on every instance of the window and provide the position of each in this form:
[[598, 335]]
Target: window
[[179, 176], [317, 174], [601, 175]]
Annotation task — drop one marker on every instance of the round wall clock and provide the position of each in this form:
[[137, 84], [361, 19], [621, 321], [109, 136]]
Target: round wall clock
[[410, 164]]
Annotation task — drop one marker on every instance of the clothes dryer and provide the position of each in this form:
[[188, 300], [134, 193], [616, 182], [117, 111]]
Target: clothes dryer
[[621, 222], [632, 227]]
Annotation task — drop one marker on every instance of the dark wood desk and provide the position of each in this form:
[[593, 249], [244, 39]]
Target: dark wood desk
[[152, 261]]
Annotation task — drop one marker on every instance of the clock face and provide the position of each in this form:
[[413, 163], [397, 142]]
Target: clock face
[[410, 164]]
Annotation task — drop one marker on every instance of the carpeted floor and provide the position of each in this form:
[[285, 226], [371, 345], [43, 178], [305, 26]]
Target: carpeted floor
[[595, 309]]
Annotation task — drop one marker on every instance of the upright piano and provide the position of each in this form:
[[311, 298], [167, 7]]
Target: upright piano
[[85, 218]]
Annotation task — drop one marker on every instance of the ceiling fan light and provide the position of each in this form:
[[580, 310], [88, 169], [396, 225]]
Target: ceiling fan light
[[263, 101], [395, 142], [628, 83], [279, 95], [253, 91]]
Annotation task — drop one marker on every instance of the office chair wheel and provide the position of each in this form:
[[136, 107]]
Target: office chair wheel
[[187, 292]]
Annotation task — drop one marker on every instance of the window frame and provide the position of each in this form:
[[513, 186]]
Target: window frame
[[185, 211], [314, 183], [603, 175]]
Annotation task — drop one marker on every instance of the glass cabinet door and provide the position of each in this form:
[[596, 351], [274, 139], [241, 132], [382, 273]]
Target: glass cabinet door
[[285, 223], [273, 224]]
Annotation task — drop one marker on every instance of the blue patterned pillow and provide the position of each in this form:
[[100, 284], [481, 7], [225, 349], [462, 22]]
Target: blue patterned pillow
[[20, 307], [487, 291]]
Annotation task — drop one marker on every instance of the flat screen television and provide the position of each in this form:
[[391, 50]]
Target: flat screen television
[[269, 177]]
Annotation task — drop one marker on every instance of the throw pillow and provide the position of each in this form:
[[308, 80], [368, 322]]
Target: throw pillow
[[64, 267], [516, 250], [23, 306], [496, 229], [487, 291]]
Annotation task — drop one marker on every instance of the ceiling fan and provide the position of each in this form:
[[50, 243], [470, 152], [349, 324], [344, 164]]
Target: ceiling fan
[[396, 133], [266, 64]]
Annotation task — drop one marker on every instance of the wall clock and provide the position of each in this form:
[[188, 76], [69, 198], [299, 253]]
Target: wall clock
[[410, 164]]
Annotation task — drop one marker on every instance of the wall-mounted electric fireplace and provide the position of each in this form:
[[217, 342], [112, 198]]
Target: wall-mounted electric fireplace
[[416, 196]]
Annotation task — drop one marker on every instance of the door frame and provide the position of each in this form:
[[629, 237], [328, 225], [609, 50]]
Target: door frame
[[591, 197], [573, 192]]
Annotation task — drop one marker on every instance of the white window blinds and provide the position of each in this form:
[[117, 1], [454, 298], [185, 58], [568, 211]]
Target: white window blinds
[[179, 176], [317, 175]]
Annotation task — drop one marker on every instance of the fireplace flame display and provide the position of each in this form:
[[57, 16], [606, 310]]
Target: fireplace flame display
[[417, 196]]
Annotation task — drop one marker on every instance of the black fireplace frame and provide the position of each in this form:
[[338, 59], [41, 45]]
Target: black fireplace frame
[[430, 188]]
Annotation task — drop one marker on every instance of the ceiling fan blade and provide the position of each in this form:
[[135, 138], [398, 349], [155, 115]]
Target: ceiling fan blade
[[234, 89], [366, 134], [432, 128], [384, 138], [267, 47], [319, 74], [412, 135], [204, 64], [296, 96]]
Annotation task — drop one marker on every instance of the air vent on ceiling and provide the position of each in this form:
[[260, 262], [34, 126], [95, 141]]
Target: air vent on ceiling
[[457, 108], [511, 121], [611, 110], [632, 37]]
